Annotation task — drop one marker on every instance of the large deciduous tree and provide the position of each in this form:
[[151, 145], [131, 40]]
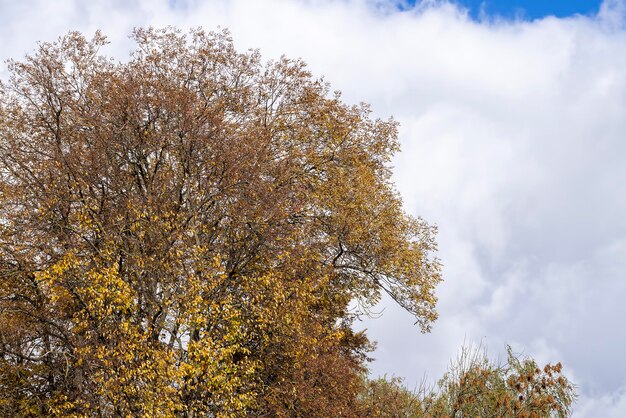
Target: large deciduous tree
[[183, 234]]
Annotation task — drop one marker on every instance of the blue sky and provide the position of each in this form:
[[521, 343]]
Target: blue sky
[[527, 9]]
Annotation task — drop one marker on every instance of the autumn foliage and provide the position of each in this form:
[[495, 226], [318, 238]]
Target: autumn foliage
[[182, 234], [474, 386]]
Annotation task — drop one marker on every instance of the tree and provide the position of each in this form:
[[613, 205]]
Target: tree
[[389, 398], [182, 234], [474, 386]]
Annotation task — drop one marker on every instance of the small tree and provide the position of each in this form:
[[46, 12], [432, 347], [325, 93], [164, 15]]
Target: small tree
[[474, 386], [389, 398], [181, 234]]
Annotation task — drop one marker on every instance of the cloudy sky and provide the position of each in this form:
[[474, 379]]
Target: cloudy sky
[[513, 129]]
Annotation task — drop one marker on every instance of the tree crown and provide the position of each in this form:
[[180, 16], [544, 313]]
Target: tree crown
[[184, 231]]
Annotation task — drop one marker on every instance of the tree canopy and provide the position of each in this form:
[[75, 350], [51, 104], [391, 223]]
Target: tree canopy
[[183, 233]]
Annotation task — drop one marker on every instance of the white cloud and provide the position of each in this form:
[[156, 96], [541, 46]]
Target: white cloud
[[513, 143], [609, 405]]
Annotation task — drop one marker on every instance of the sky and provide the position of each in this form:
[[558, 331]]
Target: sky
[[513, 135], [522, 9]]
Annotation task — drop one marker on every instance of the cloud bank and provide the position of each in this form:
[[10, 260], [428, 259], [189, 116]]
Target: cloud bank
[[514, 143]]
